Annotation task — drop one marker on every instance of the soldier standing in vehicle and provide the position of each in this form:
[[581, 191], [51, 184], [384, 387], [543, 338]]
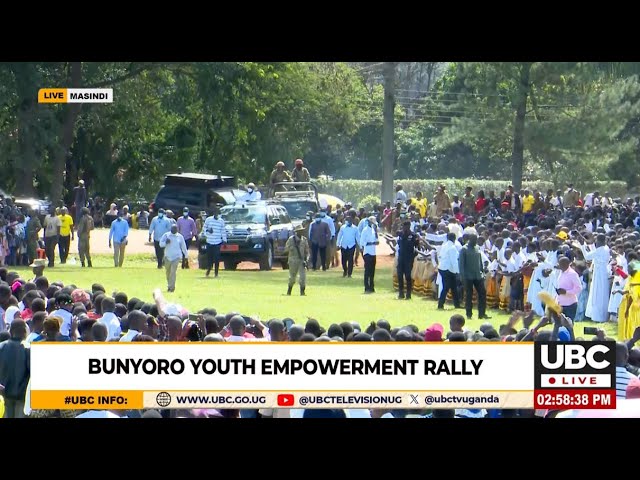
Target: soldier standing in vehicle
[[300, 172], [297, 248], [278, 175]]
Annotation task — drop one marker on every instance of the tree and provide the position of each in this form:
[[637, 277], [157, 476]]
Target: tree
[[542, 116]]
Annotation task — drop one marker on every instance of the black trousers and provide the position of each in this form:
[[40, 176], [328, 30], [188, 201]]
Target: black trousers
[[404, 273], [315, 248], [213, 257], [369, 272], [63, 247], [448, 283], [570, 310], [159, 253], [469, 285], [347, 259], [50, 248], [185, 260]]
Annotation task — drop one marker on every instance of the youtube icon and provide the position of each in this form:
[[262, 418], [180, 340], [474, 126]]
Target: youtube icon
[[285, 400]]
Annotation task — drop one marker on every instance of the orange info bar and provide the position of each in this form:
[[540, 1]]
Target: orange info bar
[[75, 95], [136, 400], [86, 400]]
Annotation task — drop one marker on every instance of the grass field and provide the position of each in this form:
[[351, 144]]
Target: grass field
[[330, 297]]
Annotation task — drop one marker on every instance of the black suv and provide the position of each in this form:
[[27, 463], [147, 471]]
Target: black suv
[[199, 192], [256, 232]]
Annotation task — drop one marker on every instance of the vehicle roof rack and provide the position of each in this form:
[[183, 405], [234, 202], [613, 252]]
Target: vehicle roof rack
[[215, 181], [312, 189]]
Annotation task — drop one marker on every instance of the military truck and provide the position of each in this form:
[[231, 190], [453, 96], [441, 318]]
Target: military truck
[[298, 199]]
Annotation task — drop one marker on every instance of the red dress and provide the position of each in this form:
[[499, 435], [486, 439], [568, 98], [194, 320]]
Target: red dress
[[481, 204]]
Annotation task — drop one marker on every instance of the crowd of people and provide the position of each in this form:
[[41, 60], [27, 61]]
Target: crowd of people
[[37, 310], [551, 260]]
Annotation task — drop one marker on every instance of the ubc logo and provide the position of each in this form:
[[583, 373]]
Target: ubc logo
[[574, 357], [575, 364]]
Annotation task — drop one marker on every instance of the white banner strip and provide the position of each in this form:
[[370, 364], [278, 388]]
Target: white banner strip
[[283, 367]]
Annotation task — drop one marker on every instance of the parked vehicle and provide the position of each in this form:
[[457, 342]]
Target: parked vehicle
[[41, 207], [199, 192]]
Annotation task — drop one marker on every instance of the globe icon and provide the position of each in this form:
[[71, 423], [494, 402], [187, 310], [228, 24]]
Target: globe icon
[[163, 399]]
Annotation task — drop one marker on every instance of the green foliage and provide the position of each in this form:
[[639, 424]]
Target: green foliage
[[369, 202], [574, 116], [582, 123]]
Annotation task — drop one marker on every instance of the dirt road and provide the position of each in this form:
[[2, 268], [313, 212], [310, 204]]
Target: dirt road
[[138, 245]]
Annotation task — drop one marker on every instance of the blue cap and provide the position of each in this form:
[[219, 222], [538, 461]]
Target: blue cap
[[563, 334]]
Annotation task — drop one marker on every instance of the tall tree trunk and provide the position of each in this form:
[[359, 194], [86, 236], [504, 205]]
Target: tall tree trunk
[[388, 131], [517, 155], [68, 130], [26, 77]]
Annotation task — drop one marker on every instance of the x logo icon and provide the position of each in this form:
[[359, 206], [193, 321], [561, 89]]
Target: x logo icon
[[414, 399]]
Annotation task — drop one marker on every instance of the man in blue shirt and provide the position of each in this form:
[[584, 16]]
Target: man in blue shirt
[[159, 226], [348, 238], [118, 233]]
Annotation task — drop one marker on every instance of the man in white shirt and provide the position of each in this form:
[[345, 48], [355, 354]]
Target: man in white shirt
[[454, 227], [470, 229], [347, 241], [137, 323], [368, 242], [175, 249], [252, 194], [109, 318], [588, 200], [448, 269], [401, 196]]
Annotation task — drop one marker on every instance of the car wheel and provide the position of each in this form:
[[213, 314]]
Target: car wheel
[[230, 265], [266, 259]]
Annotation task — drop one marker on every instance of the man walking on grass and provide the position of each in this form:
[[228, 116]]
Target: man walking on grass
[[216, 233], [51, 234], [66, 234], [297, 248], [187, 228], [85, 225], [159, 226], [118, 233], [174, 250]]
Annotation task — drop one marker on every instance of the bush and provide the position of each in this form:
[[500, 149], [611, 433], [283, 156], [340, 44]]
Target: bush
[[368, 190], [369, 202]]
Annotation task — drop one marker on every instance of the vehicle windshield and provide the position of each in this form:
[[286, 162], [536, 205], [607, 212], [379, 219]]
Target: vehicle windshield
[[298, 209], [235, 214]]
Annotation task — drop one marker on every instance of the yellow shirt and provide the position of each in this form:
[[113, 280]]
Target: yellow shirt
[[421, 206], [527, 203], [66, 222]]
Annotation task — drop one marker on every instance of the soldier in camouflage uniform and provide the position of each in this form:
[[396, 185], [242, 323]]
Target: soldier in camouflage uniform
[[84, 232], [279, 174], [33, 228], [297, 247]]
